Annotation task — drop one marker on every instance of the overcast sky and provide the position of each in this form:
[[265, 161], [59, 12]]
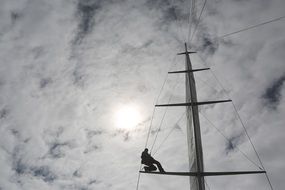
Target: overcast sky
[[68, 66]]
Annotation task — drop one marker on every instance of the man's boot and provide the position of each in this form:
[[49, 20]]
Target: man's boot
[[147, 169]]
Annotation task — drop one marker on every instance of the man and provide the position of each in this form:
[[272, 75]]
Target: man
[[149, 161]]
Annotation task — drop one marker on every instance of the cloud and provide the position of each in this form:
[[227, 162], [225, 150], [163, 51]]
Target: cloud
[[67, 65], [44, 173], [3, 113], [273, 93], [86, 11], [233, 142]]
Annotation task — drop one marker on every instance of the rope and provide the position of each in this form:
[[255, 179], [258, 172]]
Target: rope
[[193, 181], [163, 141], [230, 141], [207, 184], [161, 122], [139, 176], [178, 23], [258, 157], [152, 117], [149, 129], [189, 19], [165, 79], [247, 135], [205, 83], [196, 26], [267, 177], [160, 125], [251, 27]]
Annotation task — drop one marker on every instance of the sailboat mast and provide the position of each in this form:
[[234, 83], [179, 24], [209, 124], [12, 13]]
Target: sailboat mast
[[196, 164], [195, 150]]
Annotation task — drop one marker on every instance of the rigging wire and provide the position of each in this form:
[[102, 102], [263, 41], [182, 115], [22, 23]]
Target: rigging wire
[[198, 22], [243, 125], [152, 117], [205, 83], [179, 23], [216, 78], [193, 181], [149, 129], [159, 128], [223, 36], [207, 184], [267, 177], [155, 102], [190, 18], [230, 141], [161, 122], [139, 176], [163, 141], [251, 27]]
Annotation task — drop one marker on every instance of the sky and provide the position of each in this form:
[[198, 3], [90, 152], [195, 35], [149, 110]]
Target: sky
[[70, 70]]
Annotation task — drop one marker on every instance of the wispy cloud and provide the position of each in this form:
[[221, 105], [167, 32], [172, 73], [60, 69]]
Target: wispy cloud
[[66, 65], [273, 93]]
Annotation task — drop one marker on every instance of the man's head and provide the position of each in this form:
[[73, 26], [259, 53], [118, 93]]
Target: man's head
[[146, 150]]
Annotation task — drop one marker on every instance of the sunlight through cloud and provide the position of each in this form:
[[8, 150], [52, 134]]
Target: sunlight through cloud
[[127, 116]]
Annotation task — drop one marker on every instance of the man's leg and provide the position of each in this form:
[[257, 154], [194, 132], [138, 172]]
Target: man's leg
[[146, 168], [150, 168], [158, 165]]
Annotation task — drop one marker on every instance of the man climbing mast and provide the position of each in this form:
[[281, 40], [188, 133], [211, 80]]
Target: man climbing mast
[[148, 160]]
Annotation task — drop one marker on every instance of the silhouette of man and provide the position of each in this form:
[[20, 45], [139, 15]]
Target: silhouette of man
[[149, 161]]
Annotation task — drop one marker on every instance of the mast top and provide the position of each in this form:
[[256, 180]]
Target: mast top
[[186, 51]]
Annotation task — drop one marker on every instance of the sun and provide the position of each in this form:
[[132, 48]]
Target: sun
[[127, 116]]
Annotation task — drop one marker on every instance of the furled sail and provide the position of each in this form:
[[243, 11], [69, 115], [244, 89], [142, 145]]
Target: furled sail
[[195, 152]]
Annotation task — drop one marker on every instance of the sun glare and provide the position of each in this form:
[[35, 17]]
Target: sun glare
[[127, 117]]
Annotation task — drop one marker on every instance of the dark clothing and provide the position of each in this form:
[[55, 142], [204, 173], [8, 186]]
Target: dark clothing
[[146, 158], [149, 161]]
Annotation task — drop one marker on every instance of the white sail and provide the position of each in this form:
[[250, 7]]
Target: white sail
[[191, 149], [195, 153], [190, 139]]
